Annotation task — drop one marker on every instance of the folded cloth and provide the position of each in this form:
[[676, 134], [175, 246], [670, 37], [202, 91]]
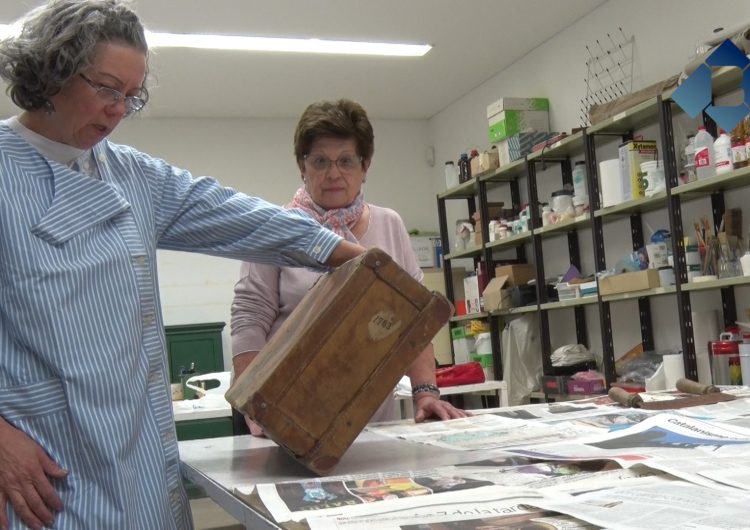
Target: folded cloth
[[460, 374]]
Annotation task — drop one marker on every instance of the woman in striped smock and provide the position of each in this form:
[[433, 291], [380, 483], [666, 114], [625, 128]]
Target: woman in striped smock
[[81, 220]]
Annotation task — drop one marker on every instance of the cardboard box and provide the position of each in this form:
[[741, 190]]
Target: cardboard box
[[510, 122], [496, 295], [502, 104], [631, 155], [484, 162], [629, 281], [343, 349], [425, 249], [471, 295], [518, 146], [517, 273]]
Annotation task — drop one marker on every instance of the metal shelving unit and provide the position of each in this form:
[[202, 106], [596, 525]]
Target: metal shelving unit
[[657, 110]]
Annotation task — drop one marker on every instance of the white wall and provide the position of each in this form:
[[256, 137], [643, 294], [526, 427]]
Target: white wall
[[256, 157], [666, 33]]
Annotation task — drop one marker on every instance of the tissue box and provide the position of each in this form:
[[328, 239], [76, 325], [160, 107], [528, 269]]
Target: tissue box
[[318, 381]]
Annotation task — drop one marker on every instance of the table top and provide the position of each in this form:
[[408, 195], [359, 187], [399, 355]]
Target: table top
[[239, 461]]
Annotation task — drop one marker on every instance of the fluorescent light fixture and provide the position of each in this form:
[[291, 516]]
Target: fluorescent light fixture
[[273, 44], [268, 44]]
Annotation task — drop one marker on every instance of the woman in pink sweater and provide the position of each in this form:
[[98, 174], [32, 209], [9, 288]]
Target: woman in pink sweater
[[333, 145]]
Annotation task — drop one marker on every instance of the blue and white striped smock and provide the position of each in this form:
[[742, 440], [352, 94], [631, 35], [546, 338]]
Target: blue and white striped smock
[[79, 303]]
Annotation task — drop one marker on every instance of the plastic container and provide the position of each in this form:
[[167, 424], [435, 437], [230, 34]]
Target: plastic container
[[580, 204], [562, 201], [745, 263], [579, 180], [723, 160], [653, 176], [725, 361], [451, 175], [704, 154]]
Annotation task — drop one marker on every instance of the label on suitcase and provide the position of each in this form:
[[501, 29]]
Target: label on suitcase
[[338, 356]]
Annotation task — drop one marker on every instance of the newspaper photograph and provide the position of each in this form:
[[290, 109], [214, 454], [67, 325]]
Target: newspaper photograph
[[294, 501]]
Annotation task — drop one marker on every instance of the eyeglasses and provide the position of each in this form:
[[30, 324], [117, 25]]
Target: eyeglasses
[[346, 163], [112, 97]]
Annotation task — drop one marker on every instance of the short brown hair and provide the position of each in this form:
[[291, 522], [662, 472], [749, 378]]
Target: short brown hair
[[343, 118]]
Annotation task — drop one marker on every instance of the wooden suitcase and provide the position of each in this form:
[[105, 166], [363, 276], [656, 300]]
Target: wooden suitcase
[[328, 368]]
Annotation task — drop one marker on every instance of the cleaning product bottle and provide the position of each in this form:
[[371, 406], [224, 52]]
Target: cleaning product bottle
[[723, 153], [704, 154]]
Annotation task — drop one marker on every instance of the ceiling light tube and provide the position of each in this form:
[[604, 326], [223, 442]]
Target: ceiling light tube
[[268, 44], [272, 44]]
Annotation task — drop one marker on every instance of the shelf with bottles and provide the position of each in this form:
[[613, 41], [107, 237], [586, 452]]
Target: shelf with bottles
[[465, 190], [470, 252], [568, 225], [506, 173], [640, 205], [697, 189], [716, 284], [510, 241], [568, 146]]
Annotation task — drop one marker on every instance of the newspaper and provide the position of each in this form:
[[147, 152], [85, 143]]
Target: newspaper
[[570, 466], [665, 435], [668, 506], [511, 511]]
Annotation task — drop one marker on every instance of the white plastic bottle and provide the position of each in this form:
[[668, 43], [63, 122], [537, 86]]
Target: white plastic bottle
[[723, 153], [690, 159], [451, 175], [704, 154]]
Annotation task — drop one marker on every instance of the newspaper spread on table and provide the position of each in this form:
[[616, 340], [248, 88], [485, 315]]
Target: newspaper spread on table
[[575, 465]]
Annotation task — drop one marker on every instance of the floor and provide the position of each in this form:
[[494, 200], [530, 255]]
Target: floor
[[207, 515]]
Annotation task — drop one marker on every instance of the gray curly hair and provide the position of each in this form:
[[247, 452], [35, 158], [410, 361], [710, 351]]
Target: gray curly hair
[[57, 41]]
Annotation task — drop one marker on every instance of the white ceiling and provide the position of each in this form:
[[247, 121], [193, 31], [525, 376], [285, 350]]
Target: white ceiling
[[473, 40]]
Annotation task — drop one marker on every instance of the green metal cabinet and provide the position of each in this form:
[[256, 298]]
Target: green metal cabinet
[[195, 343]]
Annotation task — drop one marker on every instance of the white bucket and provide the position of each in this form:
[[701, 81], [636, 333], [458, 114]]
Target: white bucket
[[653, 176]]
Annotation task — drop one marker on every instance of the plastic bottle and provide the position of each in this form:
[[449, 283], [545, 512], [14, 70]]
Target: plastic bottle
[[723, 153], [579, 181], [451, 175], [704, 154], [689, 162], [739, 155], [464, 170]]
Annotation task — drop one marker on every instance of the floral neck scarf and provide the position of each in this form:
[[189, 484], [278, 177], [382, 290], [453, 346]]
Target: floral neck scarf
[[338, 220]]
